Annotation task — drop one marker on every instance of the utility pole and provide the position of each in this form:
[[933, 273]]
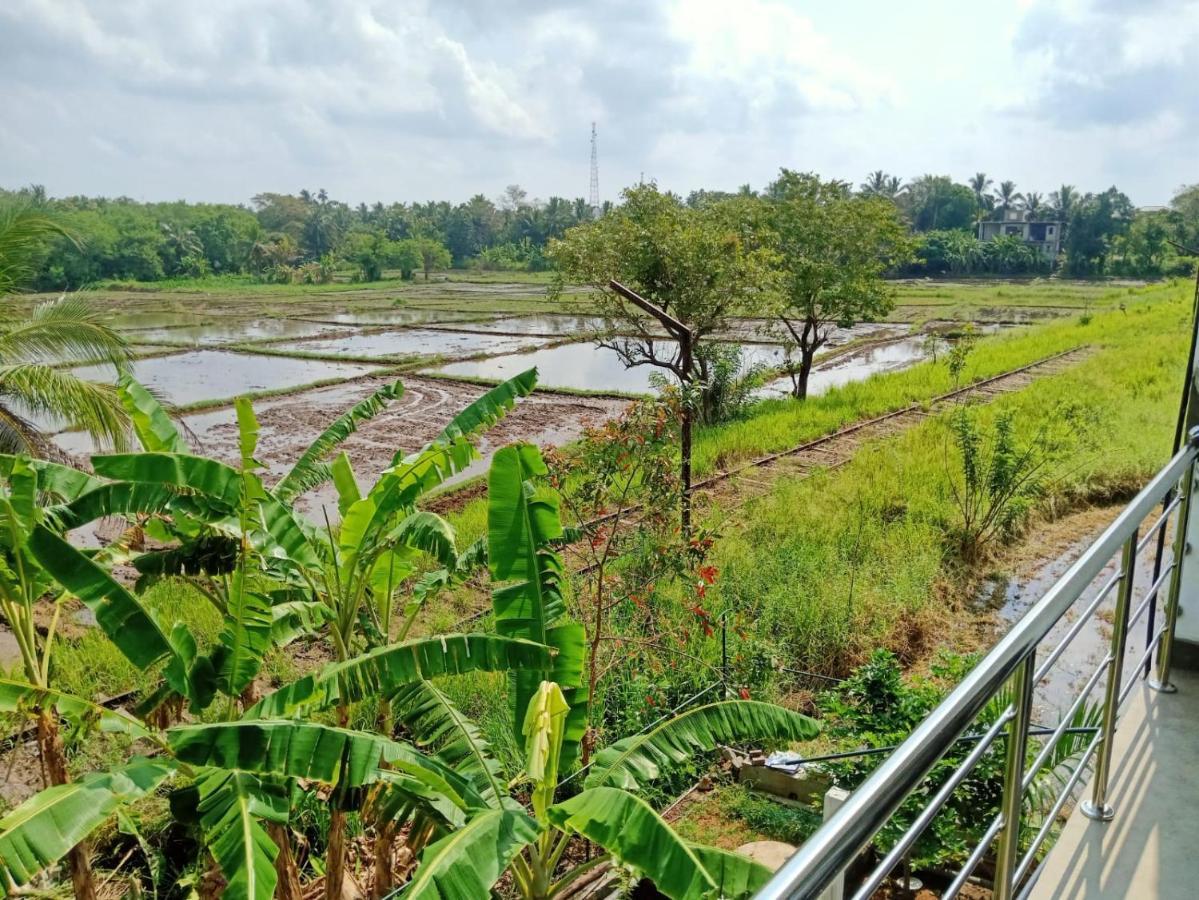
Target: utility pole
[[686, 338], [595, 200]]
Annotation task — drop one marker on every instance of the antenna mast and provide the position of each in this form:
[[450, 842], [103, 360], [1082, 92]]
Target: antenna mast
[[594, 201]]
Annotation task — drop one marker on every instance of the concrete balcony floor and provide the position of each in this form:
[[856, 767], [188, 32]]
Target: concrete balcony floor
[[1151, 848]]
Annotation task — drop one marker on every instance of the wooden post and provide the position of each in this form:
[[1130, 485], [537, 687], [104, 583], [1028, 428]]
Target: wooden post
[[686, 340]]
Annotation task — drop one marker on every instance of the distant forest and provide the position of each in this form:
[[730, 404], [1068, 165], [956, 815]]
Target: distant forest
[[308, 237]]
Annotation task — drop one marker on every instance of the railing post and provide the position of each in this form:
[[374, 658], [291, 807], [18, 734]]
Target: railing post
[[1013, 778], [1165, 650], [1097, 807]]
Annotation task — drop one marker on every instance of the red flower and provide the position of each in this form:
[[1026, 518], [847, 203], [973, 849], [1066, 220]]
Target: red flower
[[744, 693]]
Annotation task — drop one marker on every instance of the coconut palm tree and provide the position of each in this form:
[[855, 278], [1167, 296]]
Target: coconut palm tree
[[980, 183], [34, 384], [1034, 204], [1006, 198], [880, 184], [1062, 202]]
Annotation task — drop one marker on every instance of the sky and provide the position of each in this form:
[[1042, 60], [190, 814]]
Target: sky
[[408, 100]]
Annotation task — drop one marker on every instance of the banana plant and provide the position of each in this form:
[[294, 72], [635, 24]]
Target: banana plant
[[549, 709], [36, 563]]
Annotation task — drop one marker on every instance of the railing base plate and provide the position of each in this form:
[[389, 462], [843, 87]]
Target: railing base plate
[[1162, 687], [1099, 813]]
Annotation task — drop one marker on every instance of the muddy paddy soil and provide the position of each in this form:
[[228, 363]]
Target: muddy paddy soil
[[290, 423]]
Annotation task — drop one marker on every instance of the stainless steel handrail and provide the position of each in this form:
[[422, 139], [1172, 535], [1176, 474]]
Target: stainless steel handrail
[[831, 849]]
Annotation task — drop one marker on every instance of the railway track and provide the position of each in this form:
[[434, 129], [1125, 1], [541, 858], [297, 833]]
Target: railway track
[[757, 476]]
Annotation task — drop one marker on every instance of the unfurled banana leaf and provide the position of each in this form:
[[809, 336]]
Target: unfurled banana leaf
[[466, 863], [522, 523], [195, 473], [436, 723], [737, 877], [153, 426], [629, 829], [118, 613], [381, 672], [17, 696], [230, 807], [310, 470], [636, 761], [247, 433], [570, 641], [345, 482], [41, 831]]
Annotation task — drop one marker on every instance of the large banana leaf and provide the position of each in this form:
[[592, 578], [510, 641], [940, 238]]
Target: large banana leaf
[[629, 829], [635, 761], [465, 864], [63, 482], [17, 696], [381, 672], [435, 722], [45, 827], [247, 433], [310, 469], [522, 523], [154, 428], [118, 613], [737, 877], [229, 807], [345, 482], [130, 498], [195, 473]]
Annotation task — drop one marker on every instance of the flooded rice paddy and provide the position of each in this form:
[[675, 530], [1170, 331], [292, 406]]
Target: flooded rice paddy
[[185, 378], [854, 365], [409, 342], [392, 316], [234, 331]]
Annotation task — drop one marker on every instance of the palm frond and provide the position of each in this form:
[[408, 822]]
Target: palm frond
[[66, 330], [24, 230], [40, 391]]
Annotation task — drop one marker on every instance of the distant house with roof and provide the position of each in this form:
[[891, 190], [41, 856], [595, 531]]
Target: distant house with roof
[[1044, 235]]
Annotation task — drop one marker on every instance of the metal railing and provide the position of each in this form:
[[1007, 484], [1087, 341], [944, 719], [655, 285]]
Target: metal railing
[[1014, 662]]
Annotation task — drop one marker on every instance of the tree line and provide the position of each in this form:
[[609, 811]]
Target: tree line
[[308, 237]]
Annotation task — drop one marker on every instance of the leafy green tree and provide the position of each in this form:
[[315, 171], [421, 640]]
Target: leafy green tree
[[1097, 220], [957, 252], [937, 202], [834, 249], [433, 254], [1184, 216], [1062, 202]]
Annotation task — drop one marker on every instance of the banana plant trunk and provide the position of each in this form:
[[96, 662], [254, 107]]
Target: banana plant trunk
[[335, 855], [288, 886], [54, 760]]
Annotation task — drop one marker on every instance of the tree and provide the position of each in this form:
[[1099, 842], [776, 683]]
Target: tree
[[1097, 219], [1184, 216], [879, 184], [1006, 198], [433, 254], [697, 266], [980, 184], [834, 249], [936, 201], [1062, 202], [33, 381], [1033, 204]]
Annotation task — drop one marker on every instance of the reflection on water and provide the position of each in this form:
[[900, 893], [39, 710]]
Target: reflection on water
[[184, 378], [127, 320], [854, 366], [231, 331], [587, 367], [390, 316], [413, 342]]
